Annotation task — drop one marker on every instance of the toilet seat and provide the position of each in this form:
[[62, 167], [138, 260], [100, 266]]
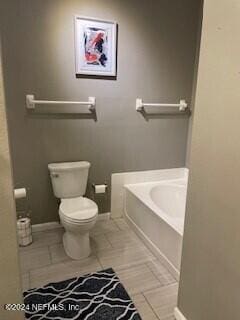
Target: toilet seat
[[78, 210]]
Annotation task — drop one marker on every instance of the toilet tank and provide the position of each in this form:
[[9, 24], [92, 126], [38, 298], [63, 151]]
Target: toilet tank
[[69, 179]]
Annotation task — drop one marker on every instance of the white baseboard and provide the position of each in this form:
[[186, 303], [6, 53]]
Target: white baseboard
[[56, 225], [178, 314], [46, 226], [104, 216]]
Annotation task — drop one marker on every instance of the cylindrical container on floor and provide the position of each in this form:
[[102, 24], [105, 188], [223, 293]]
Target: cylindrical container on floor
[[24, 231]]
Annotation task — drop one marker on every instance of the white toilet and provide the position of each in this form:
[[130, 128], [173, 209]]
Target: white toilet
[[78, 214]]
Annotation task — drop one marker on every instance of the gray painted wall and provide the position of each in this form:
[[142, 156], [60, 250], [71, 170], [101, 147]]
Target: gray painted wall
[[156, 53], [191, 119]]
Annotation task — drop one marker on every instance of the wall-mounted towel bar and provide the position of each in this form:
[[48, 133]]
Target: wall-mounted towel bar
[[182, 105], [31, 102]]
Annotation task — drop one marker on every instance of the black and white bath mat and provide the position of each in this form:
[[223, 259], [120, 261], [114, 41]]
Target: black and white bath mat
[[96, 296]]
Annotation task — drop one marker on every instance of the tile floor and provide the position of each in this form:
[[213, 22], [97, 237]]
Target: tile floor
[[114, 244]]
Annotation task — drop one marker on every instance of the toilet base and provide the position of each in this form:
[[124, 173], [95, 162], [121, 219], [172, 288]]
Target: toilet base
[[77, 245]]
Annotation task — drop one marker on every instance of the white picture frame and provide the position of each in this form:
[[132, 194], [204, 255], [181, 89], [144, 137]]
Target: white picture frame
[[95, 47]]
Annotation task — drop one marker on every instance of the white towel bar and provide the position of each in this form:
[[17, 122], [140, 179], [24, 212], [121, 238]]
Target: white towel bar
[[182, 105], [31, 102]]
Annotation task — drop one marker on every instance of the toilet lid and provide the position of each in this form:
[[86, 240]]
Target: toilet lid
[[80, 208]]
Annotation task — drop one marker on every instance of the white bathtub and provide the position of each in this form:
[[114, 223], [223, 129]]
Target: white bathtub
[[156, 210]]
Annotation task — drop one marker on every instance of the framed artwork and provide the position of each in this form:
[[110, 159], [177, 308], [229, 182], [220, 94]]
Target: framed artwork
[[95, 47]]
